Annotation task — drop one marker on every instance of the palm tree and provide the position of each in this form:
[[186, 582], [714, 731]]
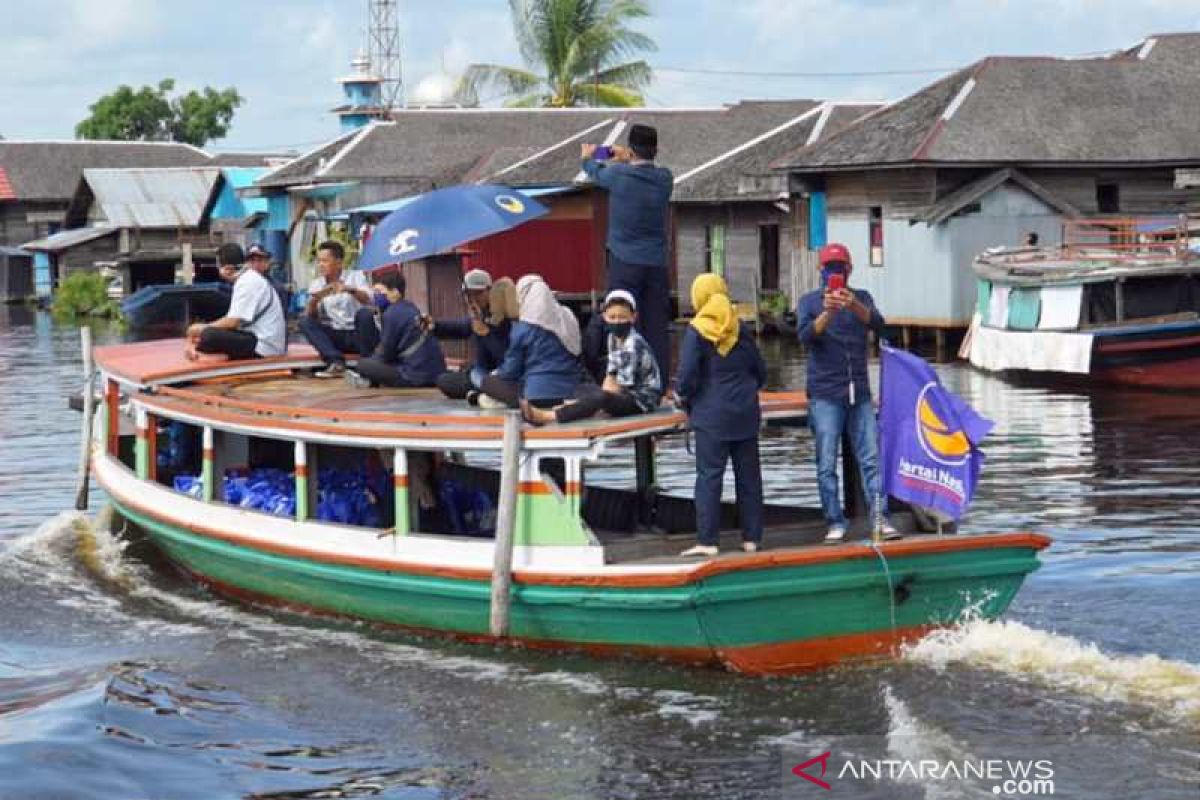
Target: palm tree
[[578, 48]]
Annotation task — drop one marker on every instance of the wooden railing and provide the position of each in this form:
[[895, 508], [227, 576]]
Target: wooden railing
[[1163, 238]]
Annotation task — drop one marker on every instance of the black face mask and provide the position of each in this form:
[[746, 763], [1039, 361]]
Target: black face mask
[[618, 329]]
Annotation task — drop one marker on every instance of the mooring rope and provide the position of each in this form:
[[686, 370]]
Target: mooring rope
[[887, 573]]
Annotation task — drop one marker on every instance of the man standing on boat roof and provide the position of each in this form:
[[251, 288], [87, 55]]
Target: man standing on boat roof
[[334, 299], [639, 195], [492, 308], [833, 324], [255, 325]]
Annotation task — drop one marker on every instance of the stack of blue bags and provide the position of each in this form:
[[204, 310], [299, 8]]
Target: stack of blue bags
[[345, 496]]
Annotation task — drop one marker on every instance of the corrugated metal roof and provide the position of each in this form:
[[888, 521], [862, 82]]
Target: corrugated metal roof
[[151, 198], [65, 240]]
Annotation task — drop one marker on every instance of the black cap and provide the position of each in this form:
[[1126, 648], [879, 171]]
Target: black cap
[[230, 254], [643, 140], [257, 250]]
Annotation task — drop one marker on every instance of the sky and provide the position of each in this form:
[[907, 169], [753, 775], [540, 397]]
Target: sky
[[284, 56]]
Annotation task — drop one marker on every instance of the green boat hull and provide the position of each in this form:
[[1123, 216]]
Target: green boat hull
[[777, 618]]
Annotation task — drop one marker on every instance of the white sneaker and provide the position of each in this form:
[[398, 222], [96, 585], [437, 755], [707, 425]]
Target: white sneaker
[[702, 550], [356, 380], [332, 371], [750, 547], [888, 532], [835, 534]]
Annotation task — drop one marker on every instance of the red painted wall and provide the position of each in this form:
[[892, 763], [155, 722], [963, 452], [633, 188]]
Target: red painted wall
[[561, 251]]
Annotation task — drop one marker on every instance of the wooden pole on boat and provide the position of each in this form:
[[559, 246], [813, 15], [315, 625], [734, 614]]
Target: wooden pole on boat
[[506, 523], [89, 400]]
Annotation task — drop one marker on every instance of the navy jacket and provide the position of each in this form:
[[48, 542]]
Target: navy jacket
[[488, 350], [638, 198], [839, 355], [538, 362], [721, 392], [400, 332]]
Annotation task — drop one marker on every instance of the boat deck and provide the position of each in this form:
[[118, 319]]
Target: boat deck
[[276, 393]]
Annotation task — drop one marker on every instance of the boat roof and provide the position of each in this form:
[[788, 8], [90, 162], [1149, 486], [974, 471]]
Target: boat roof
[[1030, 266], [267, 397]]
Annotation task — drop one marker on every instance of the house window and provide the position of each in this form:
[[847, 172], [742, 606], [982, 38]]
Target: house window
[[875, 234], [1108, 198], [768, 257], [714, 249]]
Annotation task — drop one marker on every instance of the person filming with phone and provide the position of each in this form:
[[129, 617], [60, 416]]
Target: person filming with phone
[[833, 323], [639, 195]]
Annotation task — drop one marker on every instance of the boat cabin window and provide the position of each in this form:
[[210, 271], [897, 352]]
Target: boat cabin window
[[178, 454]]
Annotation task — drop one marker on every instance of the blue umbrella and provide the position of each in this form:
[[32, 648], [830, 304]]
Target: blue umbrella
[[439, 220]]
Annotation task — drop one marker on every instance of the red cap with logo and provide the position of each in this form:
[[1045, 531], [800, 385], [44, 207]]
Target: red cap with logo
[[833, 252]]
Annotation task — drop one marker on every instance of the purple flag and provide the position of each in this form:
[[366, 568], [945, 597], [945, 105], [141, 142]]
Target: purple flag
[[928, 437]]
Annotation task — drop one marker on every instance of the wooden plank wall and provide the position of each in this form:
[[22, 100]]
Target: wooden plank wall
[[902, 193]]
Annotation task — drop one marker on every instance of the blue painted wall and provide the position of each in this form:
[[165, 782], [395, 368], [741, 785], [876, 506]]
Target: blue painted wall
[[229, 205], [926, 275]]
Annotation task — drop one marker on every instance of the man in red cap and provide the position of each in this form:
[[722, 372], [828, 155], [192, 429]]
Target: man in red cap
[[833, 323]]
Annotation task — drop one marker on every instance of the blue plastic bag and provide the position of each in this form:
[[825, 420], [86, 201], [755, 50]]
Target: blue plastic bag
[[471, 511]]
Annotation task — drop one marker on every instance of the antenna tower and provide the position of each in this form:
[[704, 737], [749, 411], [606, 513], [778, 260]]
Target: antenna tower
[[383, 40]]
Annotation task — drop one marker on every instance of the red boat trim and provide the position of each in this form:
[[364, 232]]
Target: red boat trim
[[1147, 345]]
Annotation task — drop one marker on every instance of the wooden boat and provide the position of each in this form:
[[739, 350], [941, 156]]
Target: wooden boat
[[1118, 303], [164, 305], [587, 571]]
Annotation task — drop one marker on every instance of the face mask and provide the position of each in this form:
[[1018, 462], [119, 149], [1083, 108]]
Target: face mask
[[381, 302], [619, 329]]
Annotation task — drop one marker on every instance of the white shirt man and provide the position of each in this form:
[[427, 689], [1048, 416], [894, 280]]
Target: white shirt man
[[255, 325], [331, 318]]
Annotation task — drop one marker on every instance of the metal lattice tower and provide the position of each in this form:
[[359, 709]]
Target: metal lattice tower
[[383, 44]]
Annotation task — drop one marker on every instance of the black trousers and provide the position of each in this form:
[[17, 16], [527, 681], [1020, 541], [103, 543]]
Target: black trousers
[[509, 393], [332, 344], [711, 456], [238, 345], [650, 286], [380, 373], [591, 400]]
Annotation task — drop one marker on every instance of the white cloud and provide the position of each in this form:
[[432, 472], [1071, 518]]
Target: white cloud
[[101, 23]]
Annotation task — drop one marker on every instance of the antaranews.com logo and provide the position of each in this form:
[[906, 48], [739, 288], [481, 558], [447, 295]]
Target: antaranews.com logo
[[1007, 777]]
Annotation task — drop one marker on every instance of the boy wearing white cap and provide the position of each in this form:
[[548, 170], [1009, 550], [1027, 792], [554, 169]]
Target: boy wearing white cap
[[632, 381]]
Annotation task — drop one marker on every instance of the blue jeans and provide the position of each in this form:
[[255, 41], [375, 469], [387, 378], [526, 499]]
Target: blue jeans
[[829, 419]]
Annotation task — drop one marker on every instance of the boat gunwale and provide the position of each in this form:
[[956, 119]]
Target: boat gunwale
[[617, 576]]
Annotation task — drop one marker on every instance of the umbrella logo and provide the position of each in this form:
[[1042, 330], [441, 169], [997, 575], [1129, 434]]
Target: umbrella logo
[[943, 444], [509, 203], [402, 242]]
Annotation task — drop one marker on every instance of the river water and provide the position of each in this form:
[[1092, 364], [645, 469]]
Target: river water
[[120, 680]]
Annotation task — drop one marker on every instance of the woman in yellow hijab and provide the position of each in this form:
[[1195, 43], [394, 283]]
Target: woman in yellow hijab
[[720, 374]]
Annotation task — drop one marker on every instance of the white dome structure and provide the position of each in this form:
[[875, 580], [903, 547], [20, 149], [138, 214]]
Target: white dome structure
[[436, 89]]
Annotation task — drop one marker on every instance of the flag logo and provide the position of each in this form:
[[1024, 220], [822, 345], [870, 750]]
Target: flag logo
[[941, 443]]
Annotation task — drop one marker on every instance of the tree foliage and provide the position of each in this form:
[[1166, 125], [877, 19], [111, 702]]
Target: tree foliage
[[149, 114], [574, 53]]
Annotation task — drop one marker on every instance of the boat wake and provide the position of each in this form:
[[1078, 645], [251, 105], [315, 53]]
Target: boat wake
[[1162, 685]]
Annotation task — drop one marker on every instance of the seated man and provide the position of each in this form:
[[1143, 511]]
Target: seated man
[[632, 382], [329, 320], [407, 355], [492, 309], [255, 325]]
